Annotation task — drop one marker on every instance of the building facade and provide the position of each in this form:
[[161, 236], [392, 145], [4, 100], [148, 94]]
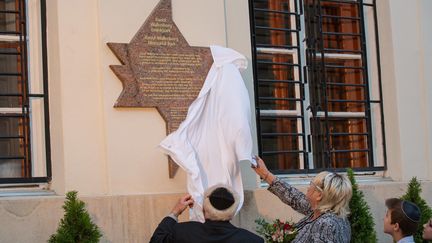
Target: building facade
[[334, 84]]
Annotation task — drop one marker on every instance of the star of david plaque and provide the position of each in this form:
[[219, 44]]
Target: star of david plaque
[[160, 69]]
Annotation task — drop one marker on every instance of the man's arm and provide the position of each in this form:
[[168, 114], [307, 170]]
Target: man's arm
[[165, 230]]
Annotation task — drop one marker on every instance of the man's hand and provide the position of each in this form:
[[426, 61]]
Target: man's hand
[[182, 204]]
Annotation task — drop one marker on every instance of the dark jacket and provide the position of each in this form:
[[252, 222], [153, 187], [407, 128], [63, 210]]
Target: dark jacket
[[210, 231]]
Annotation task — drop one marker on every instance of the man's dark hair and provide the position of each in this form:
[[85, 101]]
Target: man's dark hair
[[405, 213]]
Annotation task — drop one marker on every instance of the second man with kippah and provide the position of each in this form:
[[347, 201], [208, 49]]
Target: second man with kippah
[[401, 220]]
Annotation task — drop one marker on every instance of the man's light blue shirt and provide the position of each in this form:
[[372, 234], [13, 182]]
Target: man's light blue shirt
[[408, 239]]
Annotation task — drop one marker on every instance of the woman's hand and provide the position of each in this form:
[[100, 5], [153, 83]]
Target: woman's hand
[[262, 171], [182, 204]]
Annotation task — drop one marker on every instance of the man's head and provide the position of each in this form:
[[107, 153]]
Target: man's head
[[402, 217], [220, 203]]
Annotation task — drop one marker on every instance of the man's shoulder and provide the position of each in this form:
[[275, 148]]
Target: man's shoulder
[[250, 236], [189, 224], [193, 229]]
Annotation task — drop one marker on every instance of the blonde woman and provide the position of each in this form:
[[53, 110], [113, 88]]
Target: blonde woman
[[325, 205]]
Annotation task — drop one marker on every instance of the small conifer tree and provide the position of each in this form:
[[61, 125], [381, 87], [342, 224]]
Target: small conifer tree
[[76, 226], [413, 195], [361, 220]]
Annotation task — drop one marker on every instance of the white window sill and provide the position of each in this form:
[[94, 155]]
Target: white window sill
[[25, 190], [362, 178]]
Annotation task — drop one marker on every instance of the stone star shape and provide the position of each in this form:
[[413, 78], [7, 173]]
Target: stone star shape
[[160, 69]]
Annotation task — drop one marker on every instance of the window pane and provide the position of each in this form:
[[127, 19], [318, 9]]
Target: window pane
[[280, 5], [276, 89], [9, 21], [274, 22], [279, 124], [349, 159], [347, 8], [280, 142], [11, 145], [347, 145], [277, 96], [11, 148], [9, 85], [275, 66], [343, 92], [344, 71], [13, 141], [282, 161], [10, 60], [11, 126], [10, 81], [11, 168], [274, 73], [345, 87], [273, 37], [9, 5], [9, 64], [340, 26]]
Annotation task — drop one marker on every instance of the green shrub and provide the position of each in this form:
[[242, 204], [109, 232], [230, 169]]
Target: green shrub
[[413, 195], [76, 226], [361, 220]]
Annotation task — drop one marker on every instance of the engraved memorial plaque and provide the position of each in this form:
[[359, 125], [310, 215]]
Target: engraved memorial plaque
[[159, 69]]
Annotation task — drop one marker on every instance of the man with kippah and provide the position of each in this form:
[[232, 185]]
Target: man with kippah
[[401, 220], [220, 204]]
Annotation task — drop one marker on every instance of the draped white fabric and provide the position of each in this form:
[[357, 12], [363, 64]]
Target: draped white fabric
[[216, 133]]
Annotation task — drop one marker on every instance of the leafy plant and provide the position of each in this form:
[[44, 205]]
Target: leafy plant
[[277, 231], [413, 195], [361, 220], [76, 226]]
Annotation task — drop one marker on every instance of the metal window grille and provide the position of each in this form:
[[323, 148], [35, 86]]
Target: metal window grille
[[315, 104], [17, 99]]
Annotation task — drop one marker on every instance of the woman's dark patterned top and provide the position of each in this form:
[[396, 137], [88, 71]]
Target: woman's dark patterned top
[[326, 228]]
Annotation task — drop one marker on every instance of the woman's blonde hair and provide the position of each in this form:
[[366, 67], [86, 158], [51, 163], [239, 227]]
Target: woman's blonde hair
[[336, 193]]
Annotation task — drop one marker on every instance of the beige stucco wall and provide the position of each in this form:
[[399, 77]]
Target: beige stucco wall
[[98, 149], [77, 122], [405, 43], [110, 155], [133, 218], [426, 74], [101, 150]]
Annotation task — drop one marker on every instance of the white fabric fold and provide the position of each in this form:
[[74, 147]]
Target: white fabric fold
[[216, 133]]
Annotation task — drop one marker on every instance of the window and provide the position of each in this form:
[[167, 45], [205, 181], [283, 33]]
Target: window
[[317, 85], [24, 135]]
